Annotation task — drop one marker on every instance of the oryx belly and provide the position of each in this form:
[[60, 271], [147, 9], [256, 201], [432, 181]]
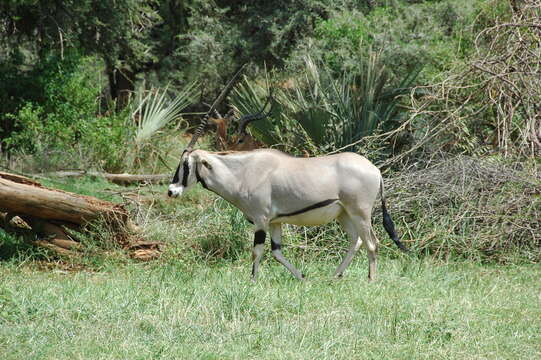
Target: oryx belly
[[316, 214]]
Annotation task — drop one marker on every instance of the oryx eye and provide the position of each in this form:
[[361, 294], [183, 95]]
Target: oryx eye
[[206, 164]]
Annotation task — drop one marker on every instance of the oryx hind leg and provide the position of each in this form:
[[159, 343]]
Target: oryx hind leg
[[361, 221], [355, 242], [276, 247]]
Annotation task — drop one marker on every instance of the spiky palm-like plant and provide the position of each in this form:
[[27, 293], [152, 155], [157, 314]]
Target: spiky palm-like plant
[[155, 110], [323, 112], [152, 111], [338, 111]]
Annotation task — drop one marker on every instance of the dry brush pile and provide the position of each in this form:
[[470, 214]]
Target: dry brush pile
[[473, 208], [494, 103]]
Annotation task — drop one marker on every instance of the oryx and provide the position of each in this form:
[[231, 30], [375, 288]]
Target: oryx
[[272, 188]]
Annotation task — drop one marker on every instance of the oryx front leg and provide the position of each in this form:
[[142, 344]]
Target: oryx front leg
[[276, 240], [257, 252]]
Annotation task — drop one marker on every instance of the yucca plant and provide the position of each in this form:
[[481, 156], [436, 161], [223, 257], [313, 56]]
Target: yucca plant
[[338, 111], [152, 111], [323, 111], [155, 110]]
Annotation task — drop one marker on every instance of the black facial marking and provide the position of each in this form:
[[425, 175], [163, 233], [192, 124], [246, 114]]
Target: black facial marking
[[259, 237], [275, 245], [199, 178], [175, 177], [185, 172], [311, 207]]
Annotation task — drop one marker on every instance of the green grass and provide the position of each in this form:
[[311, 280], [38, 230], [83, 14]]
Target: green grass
[[417, 309], [197, 300]]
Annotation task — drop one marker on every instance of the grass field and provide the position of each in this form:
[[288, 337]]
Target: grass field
[[459, 299], [418, 309]]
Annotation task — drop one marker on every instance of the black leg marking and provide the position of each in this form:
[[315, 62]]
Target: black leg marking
[[259, 237], [275, 245]]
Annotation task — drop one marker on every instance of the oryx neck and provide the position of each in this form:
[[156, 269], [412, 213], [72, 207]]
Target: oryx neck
[[226, 177]]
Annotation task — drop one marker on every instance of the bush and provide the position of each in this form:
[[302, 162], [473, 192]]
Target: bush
[[65, 119], [431, 34]]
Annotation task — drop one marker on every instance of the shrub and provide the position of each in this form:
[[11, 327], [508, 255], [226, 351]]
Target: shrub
[[64, 119], [323, 112], [434, 35]]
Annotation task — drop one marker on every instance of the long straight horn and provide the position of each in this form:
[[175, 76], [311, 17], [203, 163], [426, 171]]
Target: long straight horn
[[204, 121], [246, 119]]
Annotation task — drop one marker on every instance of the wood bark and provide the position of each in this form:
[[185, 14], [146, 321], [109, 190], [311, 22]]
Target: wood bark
[[27, 207], [21, 195]]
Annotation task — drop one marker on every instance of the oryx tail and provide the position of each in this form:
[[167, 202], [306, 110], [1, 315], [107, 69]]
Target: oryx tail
[[388, 222]]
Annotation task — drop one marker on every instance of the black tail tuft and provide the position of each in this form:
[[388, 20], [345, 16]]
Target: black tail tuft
[[389, 227]]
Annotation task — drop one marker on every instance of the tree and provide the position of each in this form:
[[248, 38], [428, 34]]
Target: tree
[[118, 31]]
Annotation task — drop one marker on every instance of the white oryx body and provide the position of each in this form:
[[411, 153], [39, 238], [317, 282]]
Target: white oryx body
[[272, 188]]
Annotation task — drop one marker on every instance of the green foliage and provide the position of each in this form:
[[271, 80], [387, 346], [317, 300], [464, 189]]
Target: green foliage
[[330, 112], [68, 99], [65, 118], [30, 121], [169, 41], [431, 34], [118, 31], [218, 36]]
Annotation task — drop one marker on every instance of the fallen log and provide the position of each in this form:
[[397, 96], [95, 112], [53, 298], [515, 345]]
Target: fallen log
[[20, 197], [120, 179], [28, 206]]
